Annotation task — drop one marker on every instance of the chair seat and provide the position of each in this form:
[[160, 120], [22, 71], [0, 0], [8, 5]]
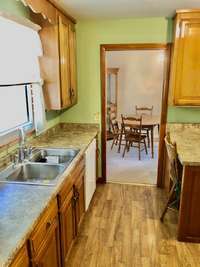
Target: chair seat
[[135, 137]]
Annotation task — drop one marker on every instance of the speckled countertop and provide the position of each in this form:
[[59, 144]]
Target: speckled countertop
[[22, 205], [187, 138]]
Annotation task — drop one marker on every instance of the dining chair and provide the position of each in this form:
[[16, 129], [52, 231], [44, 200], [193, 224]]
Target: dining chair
[[145, 111], [116, 132], [175, 177], [132, 128]]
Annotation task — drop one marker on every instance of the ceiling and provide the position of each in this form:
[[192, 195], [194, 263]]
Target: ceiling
[[104, 9]]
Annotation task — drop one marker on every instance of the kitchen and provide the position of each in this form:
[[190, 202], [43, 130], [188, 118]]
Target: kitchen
[[33, 217]]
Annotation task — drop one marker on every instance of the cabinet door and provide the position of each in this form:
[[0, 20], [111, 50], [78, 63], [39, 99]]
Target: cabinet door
[[73, 79], [49, 254], [186, 60], [80, 199], [67, 225], [64, 62], [21, 259]]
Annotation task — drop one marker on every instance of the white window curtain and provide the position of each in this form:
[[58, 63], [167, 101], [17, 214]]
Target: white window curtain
[[20, 49]]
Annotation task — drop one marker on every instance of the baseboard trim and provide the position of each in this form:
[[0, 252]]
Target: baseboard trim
[[135, 184]]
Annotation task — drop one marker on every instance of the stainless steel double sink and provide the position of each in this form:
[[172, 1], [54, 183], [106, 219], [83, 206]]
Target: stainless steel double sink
[[43, 168]]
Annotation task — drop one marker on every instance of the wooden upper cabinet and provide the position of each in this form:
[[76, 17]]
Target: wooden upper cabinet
[[72, 45], [64, 61], [67, 42], [21, 259], [185, 78], [58, 63]]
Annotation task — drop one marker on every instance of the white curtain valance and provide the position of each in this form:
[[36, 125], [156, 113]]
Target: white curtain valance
[[20, 49]]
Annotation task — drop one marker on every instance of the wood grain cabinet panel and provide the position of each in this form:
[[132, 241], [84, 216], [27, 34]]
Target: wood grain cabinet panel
[[67, 225], [185, 78], [73, 78], [22, 259], [45, 239], [71, 202], [79, 199], [49, 253]]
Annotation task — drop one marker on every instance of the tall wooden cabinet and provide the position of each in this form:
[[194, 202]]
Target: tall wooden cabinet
[[185, 78], [58, 63]]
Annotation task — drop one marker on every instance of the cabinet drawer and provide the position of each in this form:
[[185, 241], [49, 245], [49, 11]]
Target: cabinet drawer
[[66, 188], [44, 227]]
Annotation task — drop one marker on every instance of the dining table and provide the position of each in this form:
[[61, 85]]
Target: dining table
[[148, 122]]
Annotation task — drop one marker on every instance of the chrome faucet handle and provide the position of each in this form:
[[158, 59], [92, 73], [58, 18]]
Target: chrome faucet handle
[[29, 151]]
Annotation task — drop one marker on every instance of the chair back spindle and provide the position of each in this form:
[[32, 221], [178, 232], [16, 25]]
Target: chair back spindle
[[144, 110]]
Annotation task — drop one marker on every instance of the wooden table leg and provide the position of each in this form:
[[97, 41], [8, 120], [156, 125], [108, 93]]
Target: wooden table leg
[[152, 143]]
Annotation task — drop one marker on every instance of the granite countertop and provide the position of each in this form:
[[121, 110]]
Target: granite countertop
[[22, 205], [187, 138]]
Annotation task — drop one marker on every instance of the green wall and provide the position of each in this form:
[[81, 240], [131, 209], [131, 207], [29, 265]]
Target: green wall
[[17, 8], [14, 7], [92, 33]]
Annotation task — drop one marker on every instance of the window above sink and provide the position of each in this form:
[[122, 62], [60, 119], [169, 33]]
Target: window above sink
[[16, 103]]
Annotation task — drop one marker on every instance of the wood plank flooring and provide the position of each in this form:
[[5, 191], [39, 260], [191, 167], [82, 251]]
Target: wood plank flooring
[[122, 229]]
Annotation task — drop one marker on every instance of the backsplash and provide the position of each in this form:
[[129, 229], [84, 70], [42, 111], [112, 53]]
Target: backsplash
[[182, 126]]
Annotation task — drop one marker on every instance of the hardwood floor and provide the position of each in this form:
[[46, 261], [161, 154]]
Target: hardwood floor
[[122, 229]]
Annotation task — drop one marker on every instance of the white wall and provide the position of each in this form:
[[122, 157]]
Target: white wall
[[140, 79]]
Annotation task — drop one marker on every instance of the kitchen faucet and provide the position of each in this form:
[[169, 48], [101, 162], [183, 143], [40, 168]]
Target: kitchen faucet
[[22, 142]]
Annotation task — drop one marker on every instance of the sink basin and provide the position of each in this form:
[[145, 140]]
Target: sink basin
[[54, 155], [32, 173], [44, 167]]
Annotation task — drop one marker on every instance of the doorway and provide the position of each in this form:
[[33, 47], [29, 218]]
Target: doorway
[[164, 55]]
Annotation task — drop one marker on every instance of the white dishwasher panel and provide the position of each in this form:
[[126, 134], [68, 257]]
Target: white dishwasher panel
[[90, 173]]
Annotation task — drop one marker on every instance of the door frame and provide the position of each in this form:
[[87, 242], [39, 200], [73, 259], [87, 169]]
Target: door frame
[[165, 91]]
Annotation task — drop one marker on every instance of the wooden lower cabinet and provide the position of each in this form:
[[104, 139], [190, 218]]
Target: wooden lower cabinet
[[49, 253], [79, 199], [22, 258], [45, 240], [67, 225], [50, 242], [71, 203]]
